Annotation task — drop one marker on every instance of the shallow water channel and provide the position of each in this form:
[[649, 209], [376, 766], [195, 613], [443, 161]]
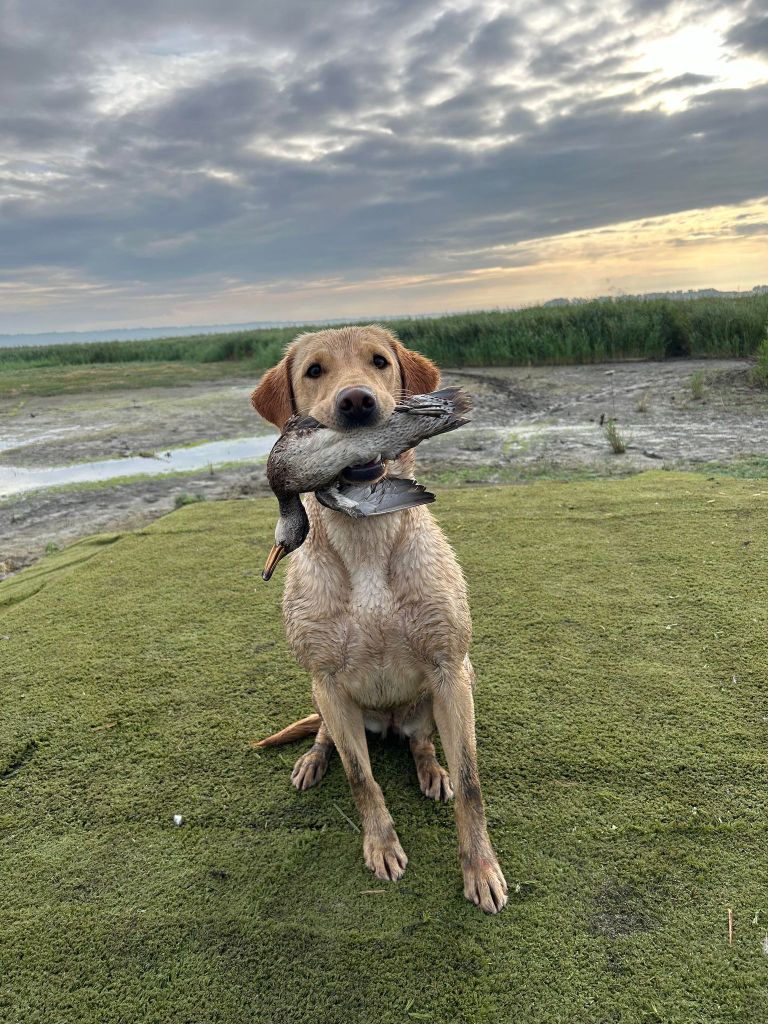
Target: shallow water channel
[[17, 479]]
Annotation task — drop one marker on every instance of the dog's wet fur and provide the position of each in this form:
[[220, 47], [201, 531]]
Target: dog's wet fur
[[376, 610]]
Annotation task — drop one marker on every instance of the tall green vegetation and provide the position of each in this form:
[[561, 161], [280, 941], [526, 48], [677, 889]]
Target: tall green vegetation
[[761, 370], [585, 332]]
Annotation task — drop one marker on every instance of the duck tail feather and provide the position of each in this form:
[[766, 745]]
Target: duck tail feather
[[448, 402], [457, 396]]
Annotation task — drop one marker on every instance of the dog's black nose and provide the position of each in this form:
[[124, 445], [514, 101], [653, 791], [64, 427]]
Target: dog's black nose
[[356, 406]]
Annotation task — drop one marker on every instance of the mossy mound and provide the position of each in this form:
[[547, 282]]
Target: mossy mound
[[622, 704]]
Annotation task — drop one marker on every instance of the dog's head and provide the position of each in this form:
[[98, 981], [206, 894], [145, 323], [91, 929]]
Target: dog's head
[[345, 378]]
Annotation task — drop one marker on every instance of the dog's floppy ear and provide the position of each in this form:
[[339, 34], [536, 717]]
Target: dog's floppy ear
[[419, 374], [273, 398]]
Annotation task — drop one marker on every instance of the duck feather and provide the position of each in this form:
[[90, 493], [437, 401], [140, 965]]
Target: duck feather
[[308, 456], [362, 500]]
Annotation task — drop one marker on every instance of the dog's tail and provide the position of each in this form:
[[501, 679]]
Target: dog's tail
[[296, 731]]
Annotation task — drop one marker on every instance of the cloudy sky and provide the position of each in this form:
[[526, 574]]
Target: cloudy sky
[[189, 161]]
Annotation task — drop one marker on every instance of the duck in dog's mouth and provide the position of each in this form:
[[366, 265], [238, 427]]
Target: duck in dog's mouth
[[302, 460], [368, 472]]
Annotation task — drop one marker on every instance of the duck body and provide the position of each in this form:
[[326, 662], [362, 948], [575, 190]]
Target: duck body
[[345, 469], [309, 456]]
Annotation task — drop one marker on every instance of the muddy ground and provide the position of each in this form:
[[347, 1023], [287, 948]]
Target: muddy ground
[[528, 422]]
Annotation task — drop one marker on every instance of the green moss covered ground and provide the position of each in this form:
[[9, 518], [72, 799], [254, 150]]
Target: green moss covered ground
[[623, 731]]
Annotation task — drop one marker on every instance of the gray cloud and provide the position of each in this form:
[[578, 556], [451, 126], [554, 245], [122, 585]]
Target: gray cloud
[[756, 228], [751, 35], [496, 43], [387, 202], [687, 81], [265, 144]]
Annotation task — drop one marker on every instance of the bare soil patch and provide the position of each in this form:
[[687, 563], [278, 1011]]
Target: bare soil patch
[[528, 422]]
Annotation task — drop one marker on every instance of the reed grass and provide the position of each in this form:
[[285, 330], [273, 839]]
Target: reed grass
[[585, 332], [761, 369], [615, 438], [643, 403]]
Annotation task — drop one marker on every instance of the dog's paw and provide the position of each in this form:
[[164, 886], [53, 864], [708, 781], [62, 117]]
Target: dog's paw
[[310, 769], [485, 885], [435, 781], [385, 857]]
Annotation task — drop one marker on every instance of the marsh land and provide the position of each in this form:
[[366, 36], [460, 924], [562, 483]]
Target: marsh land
[[92, 454], [621, 713]]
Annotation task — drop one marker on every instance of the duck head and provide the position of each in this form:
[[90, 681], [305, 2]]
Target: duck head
[[290, 533]]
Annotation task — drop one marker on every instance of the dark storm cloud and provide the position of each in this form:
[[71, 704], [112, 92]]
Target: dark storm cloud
[[394, 138]]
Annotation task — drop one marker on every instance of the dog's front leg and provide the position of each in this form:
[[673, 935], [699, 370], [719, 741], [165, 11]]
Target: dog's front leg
[[454, 712], [344, 720]]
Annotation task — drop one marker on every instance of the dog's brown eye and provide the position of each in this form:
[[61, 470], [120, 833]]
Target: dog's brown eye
[[315, 370], [380, 362]]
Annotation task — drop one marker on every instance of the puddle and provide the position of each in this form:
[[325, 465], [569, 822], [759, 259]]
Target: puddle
[[16, 479]]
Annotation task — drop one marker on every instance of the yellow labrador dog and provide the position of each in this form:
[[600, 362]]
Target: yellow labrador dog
[[376, 610]]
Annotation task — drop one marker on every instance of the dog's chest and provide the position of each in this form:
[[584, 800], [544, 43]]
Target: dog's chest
[[365, 549], [376, 604], [376, 660]]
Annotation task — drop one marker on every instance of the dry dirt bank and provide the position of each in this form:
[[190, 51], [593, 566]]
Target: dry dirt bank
[[528, 422]]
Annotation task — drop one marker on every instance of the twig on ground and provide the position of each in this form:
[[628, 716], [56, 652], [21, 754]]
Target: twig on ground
[[354, 826]]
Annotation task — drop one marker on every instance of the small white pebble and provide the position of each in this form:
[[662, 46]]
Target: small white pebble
[[177, 819], [765, 945]]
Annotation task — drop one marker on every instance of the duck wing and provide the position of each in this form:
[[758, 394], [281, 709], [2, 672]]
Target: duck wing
[[392, 494]]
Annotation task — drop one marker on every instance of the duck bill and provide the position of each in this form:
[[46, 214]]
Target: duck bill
[[277, 552]]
